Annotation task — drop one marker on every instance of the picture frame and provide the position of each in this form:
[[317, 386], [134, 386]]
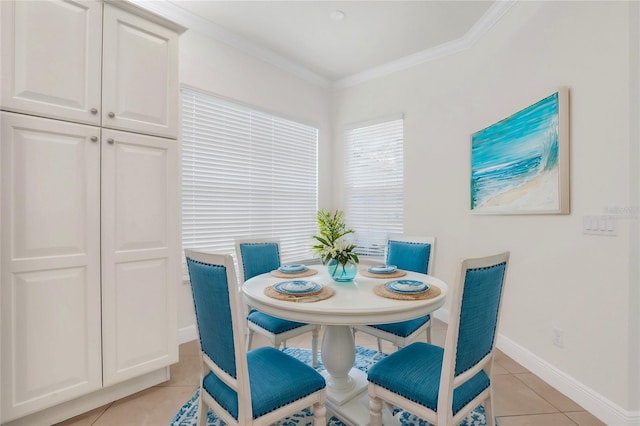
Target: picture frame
[[520, 164]]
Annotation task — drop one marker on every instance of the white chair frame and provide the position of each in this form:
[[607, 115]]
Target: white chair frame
[[241, 383], [444, 415], [399, 341], [277, 340]]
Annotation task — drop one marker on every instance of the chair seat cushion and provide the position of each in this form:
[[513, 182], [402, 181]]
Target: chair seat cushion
[[414, 373], [404, 328], [273, 324], [276, 379]]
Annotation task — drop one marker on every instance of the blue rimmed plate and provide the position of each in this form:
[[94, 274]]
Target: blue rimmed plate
[[297, 287], [292, 268], [407, 286], [382, 269]]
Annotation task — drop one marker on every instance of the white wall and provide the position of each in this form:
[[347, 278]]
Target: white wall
[[558, 277], [221, 70]]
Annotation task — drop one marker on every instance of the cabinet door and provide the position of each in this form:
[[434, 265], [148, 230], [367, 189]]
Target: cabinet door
[[51, 58], [140, 254], [50, 261], [140, 74]]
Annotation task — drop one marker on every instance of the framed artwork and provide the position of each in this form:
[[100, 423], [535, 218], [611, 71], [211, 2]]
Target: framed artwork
[[520, 165]]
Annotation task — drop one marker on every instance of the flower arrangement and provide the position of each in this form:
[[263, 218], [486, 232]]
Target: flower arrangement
[[332, 245]]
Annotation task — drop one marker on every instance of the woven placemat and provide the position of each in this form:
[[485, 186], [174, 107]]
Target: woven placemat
[[323, 294], [307, 273], [381, 290], [396, 274]]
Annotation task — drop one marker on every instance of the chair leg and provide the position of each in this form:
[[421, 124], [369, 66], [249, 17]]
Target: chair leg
[[428, 331], [320, 413], [202, 410], [379, 344], [375, 409], [314, 347], [488, 411], [249, 340]]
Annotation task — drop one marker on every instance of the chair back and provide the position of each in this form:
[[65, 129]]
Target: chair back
[[473, 322], [411, 253], [257, 256], [218, 317]]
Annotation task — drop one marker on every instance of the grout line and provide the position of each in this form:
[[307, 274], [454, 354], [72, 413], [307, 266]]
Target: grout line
[[538, 414], [102, 414], [534, 391]]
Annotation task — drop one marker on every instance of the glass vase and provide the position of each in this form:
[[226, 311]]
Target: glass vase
[[342, 273]]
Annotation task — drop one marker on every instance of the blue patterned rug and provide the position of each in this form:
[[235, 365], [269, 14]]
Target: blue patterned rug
[[365, 358]]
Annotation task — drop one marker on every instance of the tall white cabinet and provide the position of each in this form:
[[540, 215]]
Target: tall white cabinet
[[89, 209]]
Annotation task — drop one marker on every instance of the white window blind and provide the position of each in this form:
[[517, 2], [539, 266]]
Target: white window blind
[[246, 174], [374, 189]]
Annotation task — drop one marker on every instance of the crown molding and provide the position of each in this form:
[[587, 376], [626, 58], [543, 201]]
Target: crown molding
[[480, 28], [172, 11], [488, 20], [187, 19]]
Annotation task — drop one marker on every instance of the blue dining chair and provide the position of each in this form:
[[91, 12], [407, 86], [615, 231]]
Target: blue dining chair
[[255, 257], [409, 254], [242, 387], [443, 385]]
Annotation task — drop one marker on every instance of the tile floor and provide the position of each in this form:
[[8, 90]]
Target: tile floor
[[521, 398]]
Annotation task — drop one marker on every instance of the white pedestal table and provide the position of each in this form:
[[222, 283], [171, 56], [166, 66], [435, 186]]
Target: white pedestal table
[[354, 303]]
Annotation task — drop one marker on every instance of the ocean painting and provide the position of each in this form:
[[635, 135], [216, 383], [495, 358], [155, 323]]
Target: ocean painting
[[520, 164]]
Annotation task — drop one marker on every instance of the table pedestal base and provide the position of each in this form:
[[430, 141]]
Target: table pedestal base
[[356, 412], [357, 383]]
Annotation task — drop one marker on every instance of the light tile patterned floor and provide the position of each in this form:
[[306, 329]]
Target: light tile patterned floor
[[521, 398]]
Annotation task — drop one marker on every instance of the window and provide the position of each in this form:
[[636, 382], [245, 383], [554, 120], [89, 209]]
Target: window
[[246, 174], [374, 193]]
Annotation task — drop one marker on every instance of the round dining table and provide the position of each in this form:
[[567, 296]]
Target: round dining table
[[352, 303]]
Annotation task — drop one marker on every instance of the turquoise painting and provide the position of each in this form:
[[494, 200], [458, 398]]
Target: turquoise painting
[[516, 163]]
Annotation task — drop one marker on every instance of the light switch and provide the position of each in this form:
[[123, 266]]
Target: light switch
[[599, 225], [602, 223]]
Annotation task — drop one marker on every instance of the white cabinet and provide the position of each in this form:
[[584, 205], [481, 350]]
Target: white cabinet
[[51, 325], [89, 209], [72, 60], [51, 59], [139, 245]]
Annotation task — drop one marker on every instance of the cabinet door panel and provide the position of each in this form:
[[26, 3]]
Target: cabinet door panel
[[140, 255], [52, 58], [140, 91], [54, 347], [141, 191], [50, 255]]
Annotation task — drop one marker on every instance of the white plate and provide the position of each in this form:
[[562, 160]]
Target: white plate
[[407, 286], [292, 268], [382, 269], [297, 287]]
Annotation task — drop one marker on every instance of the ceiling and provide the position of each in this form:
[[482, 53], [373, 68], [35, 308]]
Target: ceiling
[[307, 37]]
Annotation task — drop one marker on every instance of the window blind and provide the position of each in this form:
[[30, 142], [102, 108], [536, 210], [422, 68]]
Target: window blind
[[245, 174], [374, 189]]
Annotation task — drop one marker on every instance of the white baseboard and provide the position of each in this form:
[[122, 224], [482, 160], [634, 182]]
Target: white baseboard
[[187, 334], [596, 404]]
